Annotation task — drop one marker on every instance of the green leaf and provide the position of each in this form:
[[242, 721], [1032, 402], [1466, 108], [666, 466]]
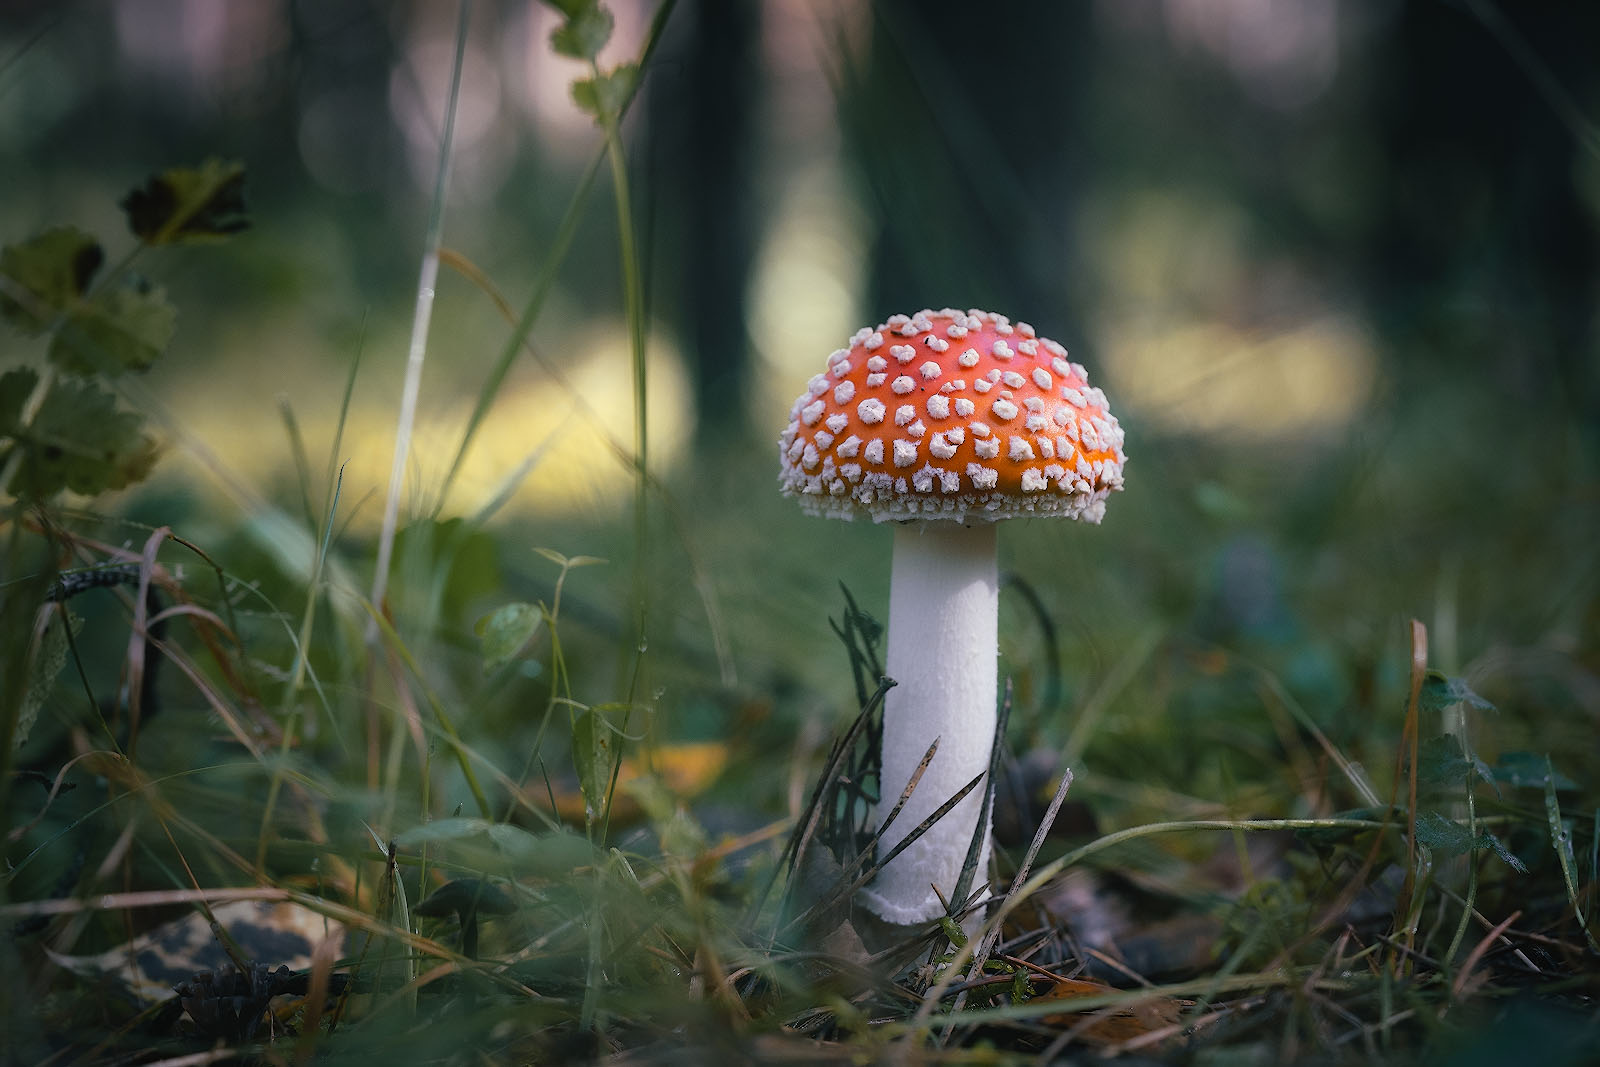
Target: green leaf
[[594, 748], [506, 631], [80, 441], [122, 328], [571, 8], [189, 205], [1441, 762], [449, 566], [545, 855], [441, 830], [40, 279], [605, 96], [542, 855], [1440, 691], [1530, 770], [1561, 841], [679, 834], [1446, 837], [47, 663], [16, 386], [585, 32]]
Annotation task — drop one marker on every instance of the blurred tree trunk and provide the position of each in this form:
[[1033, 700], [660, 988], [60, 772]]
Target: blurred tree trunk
[[704, 94], [1485, 254], [967, 131]]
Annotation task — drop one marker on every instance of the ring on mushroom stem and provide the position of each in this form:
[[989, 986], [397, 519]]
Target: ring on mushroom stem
[[946, 422]]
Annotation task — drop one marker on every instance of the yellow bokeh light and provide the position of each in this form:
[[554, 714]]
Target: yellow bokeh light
[[550, 449], [1210, 377]]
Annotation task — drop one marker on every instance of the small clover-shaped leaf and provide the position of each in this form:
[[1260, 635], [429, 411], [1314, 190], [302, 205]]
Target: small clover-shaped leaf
[[42, 278], [189, 204], [79, 440], [122, 328], [605, 96], [585, 32]]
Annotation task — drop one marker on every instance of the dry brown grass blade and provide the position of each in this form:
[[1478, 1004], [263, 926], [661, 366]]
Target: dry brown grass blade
[[316, 999], [1464, 977], [1405, 912], [17, 833]]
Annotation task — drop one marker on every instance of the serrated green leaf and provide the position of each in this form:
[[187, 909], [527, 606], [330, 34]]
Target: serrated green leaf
[[506, 631], [585, 32], [604, 97], [1446, 837], [79, 440], [16, 386], [1440, 691], [122, 328], [42, 278], [1441, 762], [189, 205]]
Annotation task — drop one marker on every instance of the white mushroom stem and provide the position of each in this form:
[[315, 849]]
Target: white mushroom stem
[[943, 600]]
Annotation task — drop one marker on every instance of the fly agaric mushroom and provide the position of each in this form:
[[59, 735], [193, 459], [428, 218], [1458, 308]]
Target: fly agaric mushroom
[[946, 422]]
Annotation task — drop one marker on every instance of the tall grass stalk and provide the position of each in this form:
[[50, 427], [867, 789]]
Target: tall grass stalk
[[429, 275], [633, 311], [566, 230]]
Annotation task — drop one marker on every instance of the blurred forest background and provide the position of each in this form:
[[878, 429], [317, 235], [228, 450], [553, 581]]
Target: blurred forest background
[[1335, 264]]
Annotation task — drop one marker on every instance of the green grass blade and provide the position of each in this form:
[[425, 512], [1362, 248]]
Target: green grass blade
[[426, 283], [1561, 841]]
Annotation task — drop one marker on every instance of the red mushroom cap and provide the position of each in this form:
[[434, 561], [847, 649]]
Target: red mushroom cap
[[951, 415]]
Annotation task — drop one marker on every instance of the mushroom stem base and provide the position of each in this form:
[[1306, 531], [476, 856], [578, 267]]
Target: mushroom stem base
[[943, 602]]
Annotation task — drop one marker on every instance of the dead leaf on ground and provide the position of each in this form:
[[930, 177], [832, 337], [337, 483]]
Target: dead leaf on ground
[[686, 770], [1113, 1025], [270, 932]]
